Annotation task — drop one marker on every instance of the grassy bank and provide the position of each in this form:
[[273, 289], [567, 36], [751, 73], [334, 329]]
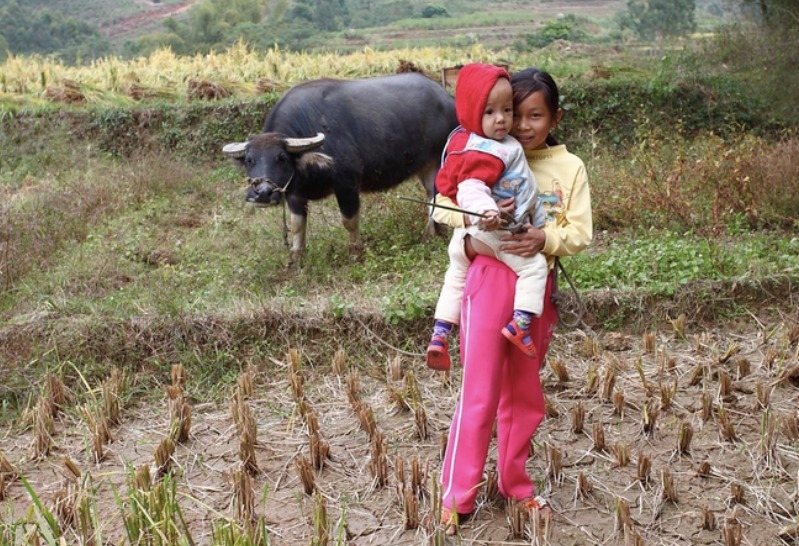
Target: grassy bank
[[124, 240]]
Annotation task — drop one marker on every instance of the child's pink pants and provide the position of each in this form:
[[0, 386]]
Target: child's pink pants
[[498, 382]]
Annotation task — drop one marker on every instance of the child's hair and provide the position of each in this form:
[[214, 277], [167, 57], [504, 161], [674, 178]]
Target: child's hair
[[530, 80]]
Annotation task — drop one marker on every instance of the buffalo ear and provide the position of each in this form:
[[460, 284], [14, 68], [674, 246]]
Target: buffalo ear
[[314, 160]]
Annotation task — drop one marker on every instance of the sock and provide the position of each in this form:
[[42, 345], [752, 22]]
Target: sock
[[442, 328], [522, 318]]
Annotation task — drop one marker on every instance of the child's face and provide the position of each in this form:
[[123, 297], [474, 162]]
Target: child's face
[[498, 113], [532, 121]]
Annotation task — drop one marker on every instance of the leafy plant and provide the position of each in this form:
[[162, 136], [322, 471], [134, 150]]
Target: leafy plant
[[407, 303]]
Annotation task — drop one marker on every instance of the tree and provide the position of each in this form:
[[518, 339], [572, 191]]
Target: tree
[[660, 18], [774, 13]]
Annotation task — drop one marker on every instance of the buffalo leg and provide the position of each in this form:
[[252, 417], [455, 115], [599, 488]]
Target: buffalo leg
[[299, 221], [427, 176], [349, 203]]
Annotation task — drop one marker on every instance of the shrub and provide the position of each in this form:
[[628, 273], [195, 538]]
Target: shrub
[[564, 28], [708, 186], [430, 11]]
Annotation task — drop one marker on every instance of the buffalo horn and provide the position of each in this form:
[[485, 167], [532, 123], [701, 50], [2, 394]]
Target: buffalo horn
[[235, 150], [295, 145]]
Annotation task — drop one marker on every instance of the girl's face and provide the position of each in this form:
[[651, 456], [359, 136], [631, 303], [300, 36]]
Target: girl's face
[[532, 121]]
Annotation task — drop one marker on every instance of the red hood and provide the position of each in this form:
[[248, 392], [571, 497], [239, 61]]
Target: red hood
[[475, 82]]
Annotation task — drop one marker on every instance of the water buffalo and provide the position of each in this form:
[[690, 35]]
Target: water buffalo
[[343, 137]]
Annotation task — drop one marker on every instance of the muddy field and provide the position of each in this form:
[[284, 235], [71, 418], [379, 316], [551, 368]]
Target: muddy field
[[674, 437]]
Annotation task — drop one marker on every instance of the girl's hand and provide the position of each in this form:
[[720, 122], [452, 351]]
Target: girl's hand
[[507, 205], [526, 244]]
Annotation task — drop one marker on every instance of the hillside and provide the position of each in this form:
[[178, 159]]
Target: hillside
[[117, 19]]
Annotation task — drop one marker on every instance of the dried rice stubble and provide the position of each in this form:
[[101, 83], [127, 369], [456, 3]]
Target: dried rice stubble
[[201, 89]]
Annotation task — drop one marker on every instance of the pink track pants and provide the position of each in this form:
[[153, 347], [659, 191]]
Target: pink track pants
[[498, 382]]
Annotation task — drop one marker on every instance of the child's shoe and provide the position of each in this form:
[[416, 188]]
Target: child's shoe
[[520, 338], [438, 353]]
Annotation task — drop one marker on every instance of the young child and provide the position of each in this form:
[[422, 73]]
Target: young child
[[483, 164]]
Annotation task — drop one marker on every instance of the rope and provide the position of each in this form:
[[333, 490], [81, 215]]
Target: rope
[[559, 298], [384, 342]]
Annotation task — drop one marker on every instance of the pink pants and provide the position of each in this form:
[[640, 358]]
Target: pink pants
[[500, 383]]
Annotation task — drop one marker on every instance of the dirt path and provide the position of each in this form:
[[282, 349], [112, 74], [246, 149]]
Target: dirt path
[[123, 28]]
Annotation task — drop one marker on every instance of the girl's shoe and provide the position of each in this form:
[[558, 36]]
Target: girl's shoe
[[449, 520], [536, 503], [438, 354], [520, 338]]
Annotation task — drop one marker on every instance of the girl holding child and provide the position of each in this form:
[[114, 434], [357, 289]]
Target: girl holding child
[[501, 382]]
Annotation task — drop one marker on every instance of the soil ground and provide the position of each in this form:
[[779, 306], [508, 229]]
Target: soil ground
[[713, 380]]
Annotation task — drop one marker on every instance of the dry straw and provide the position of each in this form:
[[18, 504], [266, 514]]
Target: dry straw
[[320, 451], [684, 437], [178, 375], [518, 518], [378, 462], [649, 343], [420, 420], [678, 325], [55, 393], [554, 464], [321, 535], [244, 497], [762, 395], [669, 492], [410, 510], [395, 370], [697, 374], [609, 383], [163, 457], [790, 426], [726, 428], [305, 472], [7, 470], [550, 408], [707, 406], [599, 437], [732, 349], [621, 452], [708, 519], [623, 517], [492, 491], [339, 363], [559, 369], [578, 417], [419, 476], [583, 487], [43, 429], [643, 468], [591, 380], [649, 417], [667, 393], [590, 347], [737, 495]]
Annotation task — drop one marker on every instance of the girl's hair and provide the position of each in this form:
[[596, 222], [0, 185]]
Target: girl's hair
[[531, 80]]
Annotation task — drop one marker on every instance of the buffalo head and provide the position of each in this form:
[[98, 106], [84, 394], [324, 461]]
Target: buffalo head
[[273, 162]]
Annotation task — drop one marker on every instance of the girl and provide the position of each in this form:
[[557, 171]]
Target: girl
[[499, 381]]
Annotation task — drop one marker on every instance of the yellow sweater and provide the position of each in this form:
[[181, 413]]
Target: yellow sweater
[[563, 183]]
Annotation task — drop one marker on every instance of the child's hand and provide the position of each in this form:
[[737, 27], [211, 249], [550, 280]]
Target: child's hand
[[492, 221]]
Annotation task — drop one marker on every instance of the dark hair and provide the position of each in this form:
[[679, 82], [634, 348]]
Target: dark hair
[[531, 80]]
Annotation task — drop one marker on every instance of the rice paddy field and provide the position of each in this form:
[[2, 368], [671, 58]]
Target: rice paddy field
[[166, 379]]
